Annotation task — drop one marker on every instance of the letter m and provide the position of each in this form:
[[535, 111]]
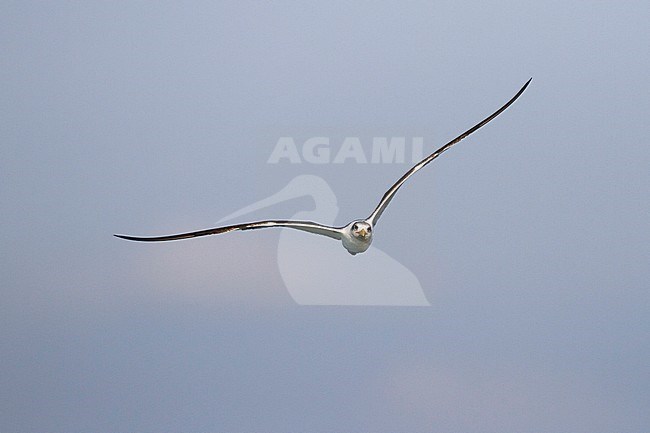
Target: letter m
[[386, 151]]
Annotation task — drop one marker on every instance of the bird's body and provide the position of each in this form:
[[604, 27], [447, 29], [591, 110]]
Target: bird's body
[[355, 236]]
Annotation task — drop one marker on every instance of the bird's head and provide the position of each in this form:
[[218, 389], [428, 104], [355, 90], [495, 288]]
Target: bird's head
[[361, 230]]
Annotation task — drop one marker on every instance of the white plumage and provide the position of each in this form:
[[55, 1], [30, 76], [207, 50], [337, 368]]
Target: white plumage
[[355, 236]]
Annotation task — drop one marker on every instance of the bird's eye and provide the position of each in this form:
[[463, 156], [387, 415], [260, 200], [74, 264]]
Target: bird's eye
[[354, 227], [369, 229]]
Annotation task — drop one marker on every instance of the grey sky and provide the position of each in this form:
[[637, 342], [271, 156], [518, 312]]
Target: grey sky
[[532, 239]]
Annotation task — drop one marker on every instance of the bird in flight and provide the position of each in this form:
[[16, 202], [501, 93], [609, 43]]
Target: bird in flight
[[355, 236]]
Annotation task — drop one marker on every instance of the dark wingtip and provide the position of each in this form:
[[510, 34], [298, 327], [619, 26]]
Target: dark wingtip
[[128, 238], [514, 98]]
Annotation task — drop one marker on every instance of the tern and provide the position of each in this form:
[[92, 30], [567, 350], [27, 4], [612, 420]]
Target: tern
[[355, 236]]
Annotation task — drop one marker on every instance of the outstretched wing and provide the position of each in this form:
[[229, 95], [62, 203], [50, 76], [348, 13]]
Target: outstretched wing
[[388, 196], [306, 226]]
